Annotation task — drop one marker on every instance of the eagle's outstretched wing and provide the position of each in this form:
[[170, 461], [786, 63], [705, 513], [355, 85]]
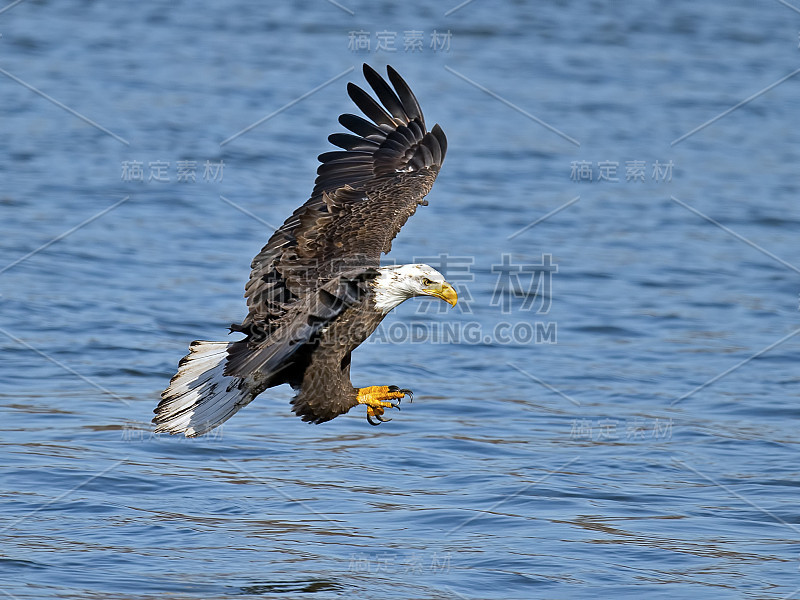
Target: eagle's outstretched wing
[[362, 197]]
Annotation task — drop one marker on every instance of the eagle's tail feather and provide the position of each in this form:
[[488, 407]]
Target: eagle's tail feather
[[200, 397]]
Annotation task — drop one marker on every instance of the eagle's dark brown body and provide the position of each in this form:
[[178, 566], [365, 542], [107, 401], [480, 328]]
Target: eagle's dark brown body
[[322, 379], [325, 391]]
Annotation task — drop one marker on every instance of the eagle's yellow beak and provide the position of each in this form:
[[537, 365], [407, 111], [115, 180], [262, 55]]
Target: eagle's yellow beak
[[444, 291]]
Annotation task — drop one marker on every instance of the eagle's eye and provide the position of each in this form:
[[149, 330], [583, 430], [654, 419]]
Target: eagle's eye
[[427, 281]]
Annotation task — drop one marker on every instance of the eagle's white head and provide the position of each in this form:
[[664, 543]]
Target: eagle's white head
[[398, 283]]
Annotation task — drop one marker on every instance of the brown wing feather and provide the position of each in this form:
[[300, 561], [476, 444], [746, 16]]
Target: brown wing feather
[[362, 197], [270, 346]]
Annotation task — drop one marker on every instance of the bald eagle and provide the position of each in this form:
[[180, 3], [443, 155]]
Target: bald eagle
[[317, 290]]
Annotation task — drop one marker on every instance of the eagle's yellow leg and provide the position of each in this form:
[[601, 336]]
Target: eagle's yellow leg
[[378, 398]]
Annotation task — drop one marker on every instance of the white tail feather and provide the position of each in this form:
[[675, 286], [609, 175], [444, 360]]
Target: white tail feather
[[200, 397]]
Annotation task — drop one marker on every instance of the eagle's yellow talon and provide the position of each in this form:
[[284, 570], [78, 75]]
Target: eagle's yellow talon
[[379, 397]]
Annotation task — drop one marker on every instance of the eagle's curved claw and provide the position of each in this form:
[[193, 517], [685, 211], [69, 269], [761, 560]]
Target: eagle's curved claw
[[404, 391], [378, 415]]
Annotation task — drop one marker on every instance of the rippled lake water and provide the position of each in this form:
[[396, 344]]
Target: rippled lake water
[[645, 444]]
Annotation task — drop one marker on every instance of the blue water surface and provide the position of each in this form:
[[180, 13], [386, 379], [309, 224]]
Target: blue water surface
[[624, 427]]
